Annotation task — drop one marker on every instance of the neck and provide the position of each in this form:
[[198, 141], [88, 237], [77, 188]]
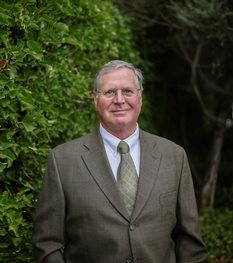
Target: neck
[[121, 133]]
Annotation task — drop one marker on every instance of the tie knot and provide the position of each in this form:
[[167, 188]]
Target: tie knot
[[123, 147]]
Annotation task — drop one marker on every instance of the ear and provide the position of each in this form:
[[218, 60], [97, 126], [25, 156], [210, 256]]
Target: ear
[[141, 98], [95, 99]]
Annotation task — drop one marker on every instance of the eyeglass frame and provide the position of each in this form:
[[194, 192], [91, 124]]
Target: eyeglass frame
[[124, 91]]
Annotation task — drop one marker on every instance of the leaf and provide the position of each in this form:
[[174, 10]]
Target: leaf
[[14, 228], [29, 123], [8, 155], [72, 41], [5, 20], [4, 36], [25, 98], [61, 26], [2, 166], [35, 49], [34, 46], [3, 233]]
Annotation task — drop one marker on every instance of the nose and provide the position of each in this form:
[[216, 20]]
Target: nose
[[119, 97]]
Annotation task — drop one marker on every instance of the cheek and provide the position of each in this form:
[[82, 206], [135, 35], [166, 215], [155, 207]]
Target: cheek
[[138, 105], [101, 107]]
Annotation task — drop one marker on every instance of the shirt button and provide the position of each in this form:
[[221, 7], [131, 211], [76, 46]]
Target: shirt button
[[129, 260], [131, 227]]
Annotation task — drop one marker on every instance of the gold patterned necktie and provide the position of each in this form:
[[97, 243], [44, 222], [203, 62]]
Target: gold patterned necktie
[[127, 177]]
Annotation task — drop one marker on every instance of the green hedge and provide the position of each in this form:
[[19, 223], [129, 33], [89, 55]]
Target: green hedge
[[217, 231], [49, 53]]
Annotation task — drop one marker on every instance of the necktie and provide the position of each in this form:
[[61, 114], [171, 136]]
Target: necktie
[[127, 177]]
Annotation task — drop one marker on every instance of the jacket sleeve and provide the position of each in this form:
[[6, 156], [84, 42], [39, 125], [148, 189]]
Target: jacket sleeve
[[188, 243], [49, 219]]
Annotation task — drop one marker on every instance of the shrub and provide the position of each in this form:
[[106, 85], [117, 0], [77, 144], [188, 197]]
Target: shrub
[[49, 52], [217, 229]]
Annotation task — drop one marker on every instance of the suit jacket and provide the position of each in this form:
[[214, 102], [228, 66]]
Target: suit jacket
[[80, 217]]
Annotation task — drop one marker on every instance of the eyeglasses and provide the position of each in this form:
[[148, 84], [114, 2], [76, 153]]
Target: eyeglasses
[[126, 93]]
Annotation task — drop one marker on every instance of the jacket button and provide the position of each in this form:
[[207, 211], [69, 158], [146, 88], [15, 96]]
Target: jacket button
[[131, 227], [129, 260]]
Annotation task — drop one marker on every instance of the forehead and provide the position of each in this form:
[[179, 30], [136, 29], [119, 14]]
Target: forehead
[[118, 77]]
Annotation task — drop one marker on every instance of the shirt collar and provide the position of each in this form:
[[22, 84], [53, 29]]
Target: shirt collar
[[112, 141]]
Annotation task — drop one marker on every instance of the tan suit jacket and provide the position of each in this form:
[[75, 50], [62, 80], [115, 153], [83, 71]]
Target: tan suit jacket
[[80, 217]]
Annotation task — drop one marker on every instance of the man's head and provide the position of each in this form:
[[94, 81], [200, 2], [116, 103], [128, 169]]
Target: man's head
[[118, 98], [114, 65]]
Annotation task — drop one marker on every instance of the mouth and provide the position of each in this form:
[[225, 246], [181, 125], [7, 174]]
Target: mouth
[[117, 111], [120, 110]]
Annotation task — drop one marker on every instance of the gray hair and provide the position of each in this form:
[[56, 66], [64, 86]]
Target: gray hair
[[114, 65]]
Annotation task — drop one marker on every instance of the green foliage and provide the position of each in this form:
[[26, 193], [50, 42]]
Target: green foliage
[[204, 18], [49, 53], [15, 232], [217, 229]]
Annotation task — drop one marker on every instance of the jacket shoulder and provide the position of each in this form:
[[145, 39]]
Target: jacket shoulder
[[160, 142], [76, 144]]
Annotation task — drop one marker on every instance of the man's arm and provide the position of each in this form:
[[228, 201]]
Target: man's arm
[[48, 226], [188, 243]]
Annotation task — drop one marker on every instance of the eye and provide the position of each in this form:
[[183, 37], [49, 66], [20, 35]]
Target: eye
[[109, 93], [128, 92]]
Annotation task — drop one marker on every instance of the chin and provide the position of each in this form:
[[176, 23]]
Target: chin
[[120, 123], [121, 126]]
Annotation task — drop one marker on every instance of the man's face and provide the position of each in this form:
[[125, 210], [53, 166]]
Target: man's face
[[120, 112]]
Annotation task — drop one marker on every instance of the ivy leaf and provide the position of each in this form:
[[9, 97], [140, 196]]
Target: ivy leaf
[[61, 26], [72, 41], [4, 36], [29, 123], [8, 155], [35, 49], [5, 20], [25, 98], [2, 166]]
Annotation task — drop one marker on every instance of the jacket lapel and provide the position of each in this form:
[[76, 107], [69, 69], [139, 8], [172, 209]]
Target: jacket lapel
[[97, 163], [149, 166]]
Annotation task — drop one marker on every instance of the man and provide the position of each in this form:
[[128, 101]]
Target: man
[[99, 205]]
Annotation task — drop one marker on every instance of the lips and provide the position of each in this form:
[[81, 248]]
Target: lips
[[121, 113], [120, 110]]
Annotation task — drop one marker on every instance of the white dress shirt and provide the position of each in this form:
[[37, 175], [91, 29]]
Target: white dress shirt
[[111, 142]]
